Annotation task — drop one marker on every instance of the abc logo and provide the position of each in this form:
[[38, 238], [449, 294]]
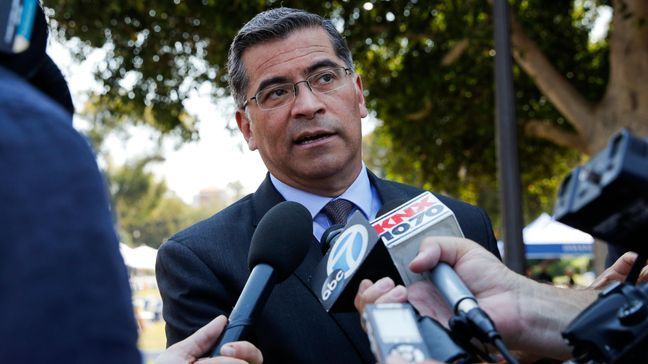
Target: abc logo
[[331, 283], [348, 251]]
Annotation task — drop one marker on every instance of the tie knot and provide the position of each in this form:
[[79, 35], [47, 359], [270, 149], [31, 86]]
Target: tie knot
[[338, 211]]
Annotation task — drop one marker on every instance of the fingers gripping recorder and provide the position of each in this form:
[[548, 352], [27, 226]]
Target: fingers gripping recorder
[[403, 229]]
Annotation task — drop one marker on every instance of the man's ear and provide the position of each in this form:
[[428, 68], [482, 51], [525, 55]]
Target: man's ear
[[360, 96], [245, 126]]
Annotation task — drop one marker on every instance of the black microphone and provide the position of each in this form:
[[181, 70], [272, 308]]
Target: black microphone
[[276, 250], [329, 236], [356, 253]]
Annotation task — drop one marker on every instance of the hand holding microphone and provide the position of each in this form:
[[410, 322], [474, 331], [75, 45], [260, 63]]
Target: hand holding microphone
[[188, 350], [485, 276], [403, 230], [529, 315]]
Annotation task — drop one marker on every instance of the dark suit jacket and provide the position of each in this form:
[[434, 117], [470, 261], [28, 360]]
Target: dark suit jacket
[[202, 270], [64, 294]]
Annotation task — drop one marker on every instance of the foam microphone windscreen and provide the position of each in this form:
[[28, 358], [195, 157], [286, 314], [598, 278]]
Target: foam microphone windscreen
[[282, 239]]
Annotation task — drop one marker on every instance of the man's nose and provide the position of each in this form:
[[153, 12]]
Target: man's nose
[[307, 103]]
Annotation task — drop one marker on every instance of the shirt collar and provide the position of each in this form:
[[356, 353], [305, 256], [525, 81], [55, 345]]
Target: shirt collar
[[359, 193]]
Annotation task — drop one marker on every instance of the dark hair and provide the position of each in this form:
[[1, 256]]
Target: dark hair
[[270, 25]]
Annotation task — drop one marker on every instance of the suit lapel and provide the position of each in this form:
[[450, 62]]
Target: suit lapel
[[386, 191], [312, 259], [267, 196]]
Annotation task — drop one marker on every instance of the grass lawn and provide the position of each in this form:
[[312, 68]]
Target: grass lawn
[[152, 336], [146, 293]]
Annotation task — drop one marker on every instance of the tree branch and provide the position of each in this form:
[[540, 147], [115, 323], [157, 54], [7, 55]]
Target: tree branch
[[578, 111], [453, 55], [544, 129], [421, 114]]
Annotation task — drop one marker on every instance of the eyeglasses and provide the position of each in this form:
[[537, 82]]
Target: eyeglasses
[[322, 82]]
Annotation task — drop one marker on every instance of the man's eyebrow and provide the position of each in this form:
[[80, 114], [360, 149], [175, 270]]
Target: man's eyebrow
[[271, 81], [325, 63]]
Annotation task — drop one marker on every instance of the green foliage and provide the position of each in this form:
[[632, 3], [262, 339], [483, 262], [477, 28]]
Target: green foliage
[[558, 268], [147, 213], [441, 117], [438, 130]]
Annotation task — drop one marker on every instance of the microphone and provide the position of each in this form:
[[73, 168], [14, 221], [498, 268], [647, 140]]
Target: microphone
[[356, 253], [276, 250], [404, 228], [329, 236]]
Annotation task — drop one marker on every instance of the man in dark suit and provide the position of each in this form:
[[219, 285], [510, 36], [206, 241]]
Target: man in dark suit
[[300, 104]]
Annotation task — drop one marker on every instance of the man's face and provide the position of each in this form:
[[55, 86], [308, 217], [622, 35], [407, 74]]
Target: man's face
[[314, 142]]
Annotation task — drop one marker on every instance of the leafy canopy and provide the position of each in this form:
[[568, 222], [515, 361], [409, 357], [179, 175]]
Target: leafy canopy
[[427, 67]]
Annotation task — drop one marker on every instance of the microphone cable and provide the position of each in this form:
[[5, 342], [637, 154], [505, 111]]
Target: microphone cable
[[506, 354], [476, 323]]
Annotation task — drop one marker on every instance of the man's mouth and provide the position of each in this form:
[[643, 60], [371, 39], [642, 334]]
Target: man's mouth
[[309, 139]]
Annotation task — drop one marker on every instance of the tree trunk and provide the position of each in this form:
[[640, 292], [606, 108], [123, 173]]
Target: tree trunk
[[625, 103]]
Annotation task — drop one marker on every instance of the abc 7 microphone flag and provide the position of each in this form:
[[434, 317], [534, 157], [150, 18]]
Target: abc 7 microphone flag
[[337, 269]]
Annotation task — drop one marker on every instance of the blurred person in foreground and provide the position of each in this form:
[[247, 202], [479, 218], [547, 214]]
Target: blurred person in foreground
[[64, 292], [300, 104], [523, 310]]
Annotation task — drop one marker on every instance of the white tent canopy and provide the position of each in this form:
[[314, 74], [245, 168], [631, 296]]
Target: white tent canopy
[[142, 257], [546, 238]]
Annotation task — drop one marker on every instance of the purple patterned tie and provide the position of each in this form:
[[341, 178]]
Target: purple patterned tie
[[337, 211]]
